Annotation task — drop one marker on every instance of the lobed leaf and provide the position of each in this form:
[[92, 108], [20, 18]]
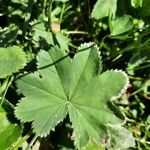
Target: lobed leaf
[[63, 85]]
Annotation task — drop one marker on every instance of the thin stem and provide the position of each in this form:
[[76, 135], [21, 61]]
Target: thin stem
[[76, 32], [19, 144], [103, 41], [32, 142], [44, 7], [9, 80], [72, 45], [62, 12], [137, 91], [142, 67], [135, 78], [49, 14]]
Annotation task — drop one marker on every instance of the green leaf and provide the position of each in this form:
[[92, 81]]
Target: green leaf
[[9, 133], [139, 58], [121, 25], [93, 146], [136, 3], [103, 8], [45, 39], [13, 59], [120, 138], [145, 11], [73, 86]]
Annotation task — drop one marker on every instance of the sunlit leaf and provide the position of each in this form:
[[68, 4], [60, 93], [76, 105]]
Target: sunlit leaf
[[75, 87], [121, 25], [9, 133], [103, 8], [93, 146], [13, 59]]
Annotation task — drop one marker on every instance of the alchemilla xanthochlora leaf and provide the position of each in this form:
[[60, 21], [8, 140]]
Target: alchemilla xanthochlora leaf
[[75, 87], [13, 59]]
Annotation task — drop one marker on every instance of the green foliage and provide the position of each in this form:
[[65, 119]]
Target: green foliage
[[136, 3], [145, 9], [94, 146], [84, 94], [13, 59], [104, 8], [46, 39], [138, 59], [8, 35], [9, 133], [120, 138], [67, 94], [121, 25]]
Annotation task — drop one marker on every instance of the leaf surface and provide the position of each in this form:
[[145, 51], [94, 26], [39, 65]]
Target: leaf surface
[[73, 86], [93, 146], [121, 25], [120, 138], [103, 8], [46, 39], [136, 3], [13, 59], [9, 133]]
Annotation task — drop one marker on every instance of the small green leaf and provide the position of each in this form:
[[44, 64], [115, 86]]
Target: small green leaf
[[46, 39], [120, 138], [9, 133], [148, 120], [121, 25], [13, 59], [93, 146], [103, 8], [73, 86], [136, 3]]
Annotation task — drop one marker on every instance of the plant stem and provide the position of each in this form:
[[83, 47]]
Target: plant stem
[[9, 80], [142, 67], [44, 7], [137, 91], [49, 13], [72, 45], [135, 78], [20, 142], [76, 32], [33, 140], [62, 12]]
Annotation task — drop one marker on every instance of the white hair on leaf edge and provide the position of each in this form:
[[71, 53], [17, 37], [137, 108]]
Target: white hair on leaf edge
[[123, 90]]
